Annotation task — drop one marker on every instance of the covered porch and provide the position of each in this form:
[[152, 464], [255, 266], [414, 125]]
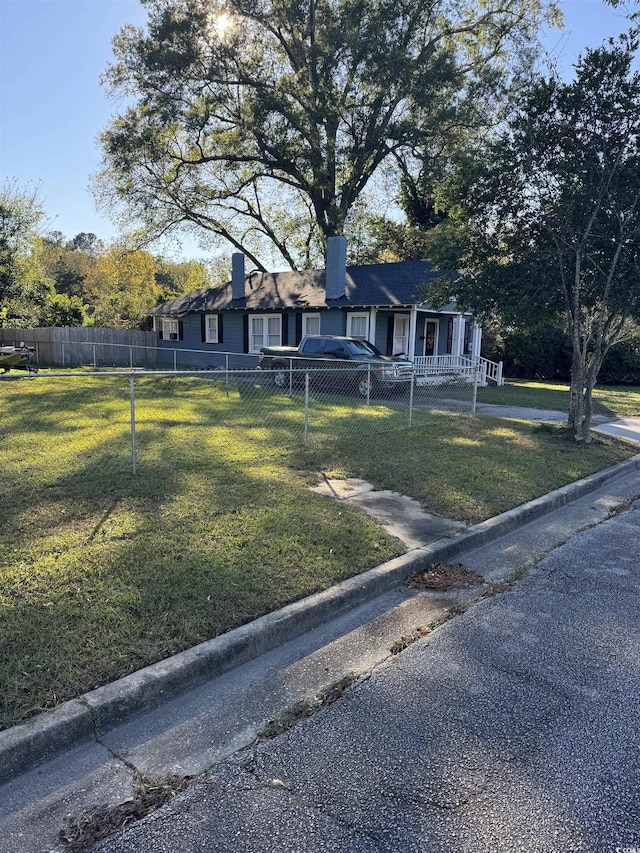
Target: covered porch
[[437, 342]]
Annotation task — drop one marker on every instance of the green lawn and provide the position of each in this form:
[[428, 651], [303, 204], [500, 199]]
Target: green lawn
[[102, 572], [614, 400]]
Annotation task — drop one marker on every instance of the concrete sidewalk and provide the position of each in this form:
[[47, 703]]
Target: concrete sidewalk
[[627, 428], [546, 416], [353, 630]]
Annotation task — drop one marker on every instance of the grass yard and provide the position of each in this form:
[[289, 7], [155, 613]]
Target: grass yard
[[471, 469], [102, 572], [614, 400]]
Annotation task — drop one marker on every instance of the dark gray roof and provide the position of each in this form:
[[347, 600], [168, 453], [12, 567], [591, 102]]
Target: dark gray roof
[[382, 285]]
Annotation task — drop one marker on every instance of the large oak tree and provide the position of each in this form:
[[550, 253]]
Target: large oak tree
[[263, 121]]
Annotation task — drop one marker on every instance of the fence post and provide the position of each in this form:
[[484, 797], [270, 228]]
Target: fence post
[[500, 380], [475, 390], [62, 344], [226, 372], [411, 386], [37, 353], [175, 361], [131, 357], [94, 356], [368, 384], [291, 377], [306, 410], [132, 395]]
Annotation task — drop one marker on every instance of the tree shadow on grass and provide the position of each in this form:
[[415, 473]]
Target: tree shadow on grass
[[190, 548]]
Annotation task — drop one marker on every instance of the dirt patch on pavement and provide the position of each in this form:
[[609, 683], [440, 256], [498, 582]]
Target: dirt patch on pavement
[[306, 708], [445, 576], [102, 821]]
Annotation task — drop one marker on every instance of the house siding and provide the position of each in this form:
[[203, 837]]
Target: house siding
[[384, 331], [332, 322], [232, 342]]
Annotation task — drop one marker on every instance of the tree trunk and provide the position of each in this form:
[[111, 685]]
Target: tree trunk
[[583, 381], [588, 410], [578, 401], [590, 382], [576, 398], [582, 425]]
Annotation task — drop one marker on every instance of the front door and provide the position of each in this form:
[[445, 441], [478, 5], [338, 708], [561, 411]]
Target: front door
[[430, 337]]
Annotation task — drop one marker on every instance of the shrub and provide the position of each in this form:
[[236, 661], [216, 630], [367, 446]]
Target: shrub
[[622, 364], [540, 353]]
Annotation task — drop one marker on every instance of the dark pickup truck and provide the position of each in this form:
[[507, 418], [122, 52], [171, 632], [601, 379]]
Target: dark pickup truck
[[349, 363]]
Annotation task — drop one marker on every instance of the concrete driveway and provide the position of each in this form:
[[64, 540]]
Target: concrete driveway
[[514, 727]]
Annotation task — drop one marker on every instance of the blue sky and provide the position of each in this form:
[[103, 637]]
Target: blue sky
[[52, 107]]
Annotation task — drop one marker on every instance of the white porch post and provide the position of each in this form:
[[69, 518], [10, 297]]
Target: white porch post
[[372, 326], [476, 342], [413, 325], [458, 336], [455, 334]]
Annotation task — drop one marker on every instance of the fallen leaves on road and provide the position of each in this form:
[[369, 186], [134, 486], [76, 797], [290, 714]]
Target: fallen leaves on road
[[445, 576], [101, 821]]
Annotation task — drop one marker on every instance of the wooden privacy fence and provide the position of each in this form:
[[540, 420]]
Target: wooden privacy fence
[[72, 345]]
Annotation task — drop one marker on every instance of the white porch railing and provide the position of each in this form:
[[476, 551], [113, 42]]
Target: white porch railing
[[430, 365], [490, 370], [439, 363]]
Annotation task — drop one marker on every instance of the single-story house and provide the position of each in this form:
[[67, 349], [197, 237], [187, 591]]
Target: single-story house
[[379, 302]]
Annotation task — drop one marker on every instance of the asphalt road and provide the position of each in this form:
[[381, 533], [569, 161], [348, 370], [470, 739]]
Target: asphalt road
[[513, 727]]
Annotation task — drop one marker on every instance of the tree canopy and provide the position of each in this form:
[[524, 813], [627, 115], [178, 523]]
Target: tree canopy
[[25, 289], [553, 226], [628, 6], [263, 121], [47, 280], [21, 214], [116, 286]]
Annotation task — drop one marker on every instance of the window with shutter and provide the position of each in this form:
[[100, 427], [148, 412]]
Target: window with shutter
[[265, 330], [310, 325], [170, 329], [357, 325], [211, 328]]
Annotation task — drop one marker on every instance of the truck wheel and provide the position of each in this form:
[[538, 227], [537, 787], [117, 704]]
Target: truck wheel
[[280, 376], [365, 386]]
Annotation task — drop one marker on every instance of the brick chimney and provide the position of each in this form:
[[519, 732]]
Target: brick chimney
[[237, 276], [336, 269]]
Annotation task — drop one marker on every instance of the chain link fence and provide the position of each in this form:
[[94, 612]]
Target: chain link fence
[[95, 354], [103, 424]]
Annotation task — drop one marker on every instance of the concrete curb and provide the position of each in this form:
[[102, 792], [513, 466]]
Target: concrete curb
[[41, 738]]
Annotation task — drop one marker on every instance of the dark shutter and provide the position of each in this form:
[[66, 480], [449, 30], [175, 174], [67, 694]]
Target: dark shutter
[[180, 330], [245, 333], [160, 332], [220, 340], [203, 327], [390, 322], [298, 327], [450, 335], [285, 330]]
